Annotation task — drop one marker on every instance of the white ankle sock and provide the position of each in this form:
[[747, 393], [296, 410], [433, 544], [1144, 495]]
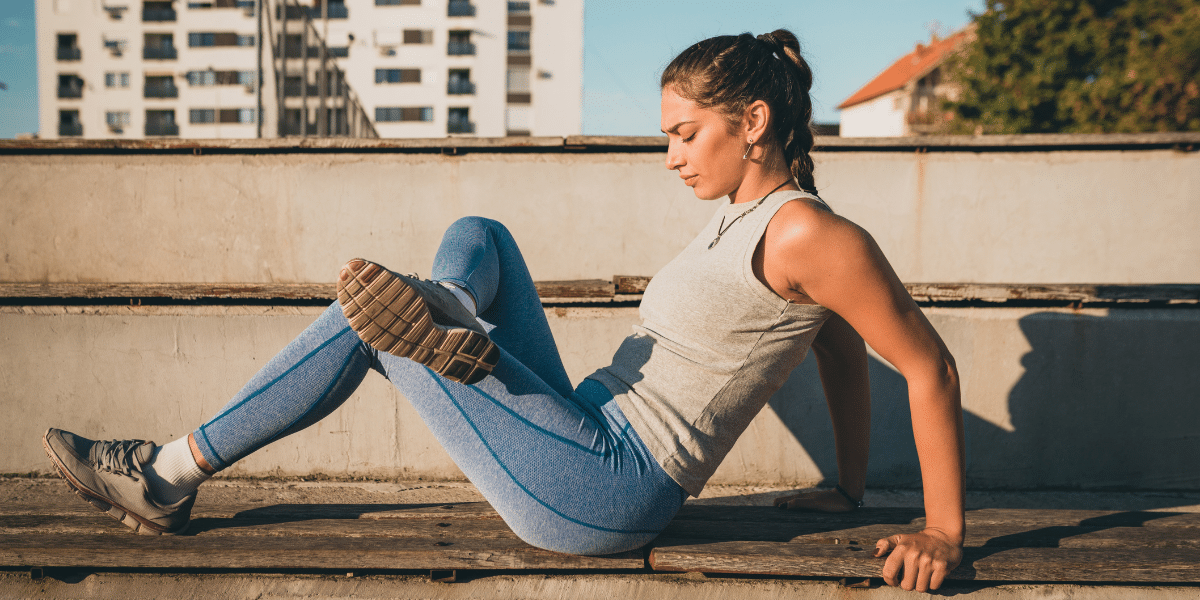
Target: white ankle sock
[[462, 296], [172, 473]]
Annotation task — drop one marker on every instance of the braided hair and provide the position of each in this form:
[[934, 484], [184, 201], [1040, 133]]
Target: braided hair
[[730, 72]]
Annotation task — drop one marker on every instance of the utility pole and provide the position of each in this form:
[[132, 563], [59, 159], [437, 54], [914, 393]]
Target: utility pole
[[258, 77]]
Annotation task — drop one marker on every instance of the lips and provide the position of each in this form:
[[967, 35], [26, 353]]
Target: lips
[[688, 179]]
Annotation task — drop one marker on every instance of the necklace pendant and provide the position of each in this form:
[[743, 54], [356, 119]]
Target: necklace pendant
[[714, 242]]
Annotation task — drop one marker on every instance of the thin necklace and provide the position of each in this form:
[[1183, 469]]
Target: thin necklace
[[722, 228]]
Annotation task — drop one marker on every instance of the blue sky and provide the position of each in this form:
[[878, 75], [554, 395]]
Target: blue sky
[[626, 45]]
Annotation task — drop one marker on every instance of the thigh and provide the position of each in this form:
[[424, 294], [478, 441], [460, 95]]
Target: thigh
[[567, 473]]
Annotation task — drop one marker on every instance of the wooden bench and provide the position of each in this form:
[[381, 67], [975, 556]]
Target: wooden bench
[[1002, 544]]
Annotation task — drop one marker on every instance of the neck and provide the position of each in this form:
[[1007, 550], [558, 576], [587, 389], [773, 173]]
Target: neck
[[760, 183]]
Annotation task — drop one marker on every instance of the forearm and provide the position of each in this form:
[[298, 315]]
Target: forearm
[[938, 431]]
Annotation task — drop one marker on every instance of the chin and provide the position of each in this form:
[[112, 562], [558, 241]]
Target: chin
[[706, 194]]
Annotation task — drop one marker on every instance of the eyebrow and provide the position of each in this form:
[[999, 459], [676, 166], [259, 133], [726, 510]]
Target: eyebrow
[[676, 127]]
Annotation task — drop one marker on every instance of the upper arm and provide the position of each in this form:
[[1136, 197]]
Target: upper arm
[[839, 265]]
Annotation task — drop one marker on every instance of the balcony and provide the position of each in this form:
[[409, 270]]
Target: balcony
[[460, 87], [70, 129], [460, 8], [160, 53], [460, 126], [293, 89], [460, 49], [153, 128], [70, 91], [158, 15], [71, 53], [160, 91]]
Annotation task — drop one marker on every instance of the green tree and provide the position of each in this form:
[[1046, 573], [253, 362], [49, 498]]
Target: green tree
[[1080, 66]]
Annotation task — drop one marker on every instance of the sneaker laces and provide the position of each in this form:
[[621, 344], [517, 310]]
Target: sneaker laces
[[115, 456]]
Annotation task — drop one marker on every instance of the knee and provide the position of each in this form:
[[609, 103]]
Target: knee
[[478, 224]]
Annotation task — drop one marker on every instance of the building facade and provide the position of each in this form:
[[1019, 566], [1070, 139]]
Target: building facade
[[408, 68], [905, 99]]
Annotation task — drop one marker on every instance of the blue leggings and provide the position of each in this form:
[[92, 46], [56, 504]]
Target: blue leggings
[[561, 466]]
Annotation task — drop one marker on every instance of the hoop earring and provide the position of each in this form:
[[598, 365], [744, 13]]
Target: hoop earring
[[746, 155]]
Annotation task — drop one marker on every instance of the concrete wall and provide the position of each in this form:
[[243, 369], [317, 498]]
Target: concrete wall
[[1084, 216], [1089, 398], [1056, 398]]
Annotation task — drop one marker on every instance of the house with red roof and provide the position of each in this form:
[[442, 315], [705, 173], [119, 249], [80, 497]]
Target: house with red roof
[[905, 98]]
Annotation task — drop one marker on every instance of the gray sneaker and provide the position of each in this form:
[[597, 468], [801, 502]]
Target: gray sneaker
[[419, 320], [109, 475]]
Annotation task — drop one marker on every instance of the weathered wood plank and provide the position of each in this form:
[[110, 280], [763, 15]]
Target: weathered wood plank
[[281, 552], [602, 290], [915, 517], [457, 510], [992, 564], [101, 524], [1000, 535], [585, 288]]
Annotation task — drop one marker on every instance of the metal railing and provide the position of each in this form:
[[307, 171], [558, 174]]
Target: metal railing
[[460, 8], [160, 91], [159, 53], [460, 126], [70, 91], [68, 54], [153, 128], [311, 92], [158, 15], [460, 87], [70, 129], [460, 49]]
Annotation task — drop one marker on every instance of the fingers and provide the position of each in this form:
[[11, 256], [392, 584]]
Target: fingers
[[939, 575], [895, 560], [911, 570]]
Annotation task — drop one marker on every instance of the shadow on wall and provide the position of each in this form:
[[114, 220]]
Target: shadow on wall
[[1104, 403]]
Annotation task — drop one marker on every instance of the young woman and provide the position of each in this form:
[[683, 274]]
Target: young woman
[[603, 467]]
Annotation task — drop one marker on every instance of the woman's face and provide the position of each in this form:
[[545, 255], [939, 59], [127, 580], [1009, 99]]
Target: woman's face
[[701, 147]]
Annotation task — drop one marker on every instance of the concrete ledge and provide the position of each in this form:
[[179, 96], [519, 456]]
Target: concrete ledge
[[1184, 141], [1040, 387]]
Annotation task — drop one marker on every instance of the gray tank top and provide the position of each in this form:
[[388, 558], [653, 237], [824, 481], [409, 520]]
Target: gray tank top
[[714, 344]]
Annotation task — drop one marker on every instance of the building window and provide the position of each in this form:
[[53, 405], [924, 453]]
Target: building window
[[518, 41], [205, 39], [207, 78], [517, 80], [460, 8], [202, 116], [243, 4], [418, 36], [518, 120], [393, 114], [397, 2], [70, 86], [159, 46], [460, 82], [69, 124], [161, 122], [397, 76], [518, 8], [68, 47], [460, 44], [459, 121], [158, 12], [116, 80], [161, 86], [117, 120]]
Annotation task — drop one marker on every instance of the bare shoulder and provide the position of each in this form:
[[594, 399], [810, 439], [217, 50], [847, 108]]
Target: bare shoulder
[[806, 227]]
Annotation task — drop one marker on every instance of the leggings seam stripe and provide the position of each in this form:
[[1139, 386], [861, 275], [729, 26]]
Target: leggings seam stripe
[[264, 388]]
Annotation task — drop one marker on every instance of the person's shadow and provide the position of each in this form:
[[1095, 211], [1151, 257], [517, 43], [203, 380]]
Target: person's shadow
[[1104, 403]]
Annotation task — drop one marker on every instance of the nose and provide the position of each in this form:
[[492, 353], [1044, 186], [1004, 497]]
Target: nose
[[674, 156]]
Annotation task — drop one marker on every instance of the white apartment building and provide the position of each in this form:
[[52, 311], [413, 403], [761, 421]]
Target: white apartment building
[[129, 69]]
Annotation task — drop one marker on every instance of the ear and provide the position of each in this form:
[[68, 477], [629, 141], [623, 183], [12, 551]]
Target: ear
[[755, 120]]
